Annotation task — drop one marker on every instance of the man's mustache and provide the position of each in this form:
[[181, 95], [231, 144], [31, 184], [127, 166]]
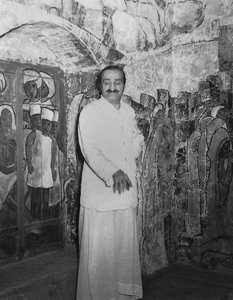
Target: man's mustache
[[110, 91]]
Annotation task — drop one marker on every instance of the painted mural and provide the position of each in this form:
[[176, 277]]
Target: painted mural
[[185, 174], [43, 158], [186, 178]]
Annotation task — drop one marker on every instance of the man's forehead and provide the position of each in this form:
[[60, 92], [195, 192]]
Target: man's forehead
[[112, 74]]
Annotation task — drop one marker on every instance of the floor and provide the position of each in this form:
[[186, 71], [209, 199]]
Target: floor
[[180, 282], [49, 276], [53, 277]]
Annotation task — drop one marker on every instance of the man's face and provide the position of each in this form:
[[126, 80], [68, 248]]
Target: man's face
[[6, 119], [54, 129], [44, 90], [112, 85], [46, 127], [30, 89], [36, 121]]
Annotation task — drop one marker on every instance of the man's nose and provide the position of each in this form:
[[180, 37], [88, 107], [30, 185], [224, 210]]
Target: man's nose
[[112, 86]]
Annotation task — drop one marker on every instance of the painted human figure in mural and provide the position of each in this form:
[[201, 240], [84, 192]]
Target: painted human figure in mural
[[40, 161], [7, 150], [32, 81], [110, 141], [157, 116], [47, 89], [7, 123], [204, 156], [224, 171], [219, 153], [49, 160], [7, 140], [55, 194], [157, 172], [35, 115], [198, 165], [3, 83], [26, 115], [39, 87], [27, 128], [193, 205]]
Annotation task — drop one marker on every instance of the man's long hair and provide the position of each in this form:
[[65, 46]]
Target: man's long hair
[[99, 76]]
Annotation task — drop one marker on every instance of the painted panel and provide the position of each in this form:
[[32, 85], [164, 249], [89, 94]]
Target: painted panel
[[8, 164], [41, 151], [43, 161]]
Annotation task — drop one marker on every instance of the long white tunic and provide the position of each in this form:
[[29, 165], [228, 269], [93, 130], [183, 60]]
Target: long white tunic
[[41, 177], [109, 140], [109, 265]]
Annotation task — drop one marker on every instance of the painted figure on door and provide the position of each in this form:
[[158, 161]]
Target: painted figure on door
[[35, 115], [7, 150], [32, 81], [27, 129], [40, 88], [47, 89], [3, 83], [7, 123], [55, 194], [26, 115], [40, 161], [49, 172]]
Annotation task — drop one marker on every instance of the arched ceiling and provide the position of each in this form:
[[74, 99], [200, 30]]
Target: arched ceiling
[[47, 44]]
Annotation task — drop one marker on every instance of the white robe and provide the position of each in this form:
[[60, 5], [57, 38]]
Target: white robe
[[109, 265]]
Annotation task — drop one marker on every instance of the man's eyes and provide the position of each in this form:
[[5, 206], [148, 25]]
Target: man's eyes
[[116, 82]]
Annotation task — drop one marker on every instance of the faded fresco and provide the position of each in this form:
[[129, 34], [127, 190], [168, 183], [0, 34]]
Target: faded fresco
[[43, 158], [104, 30], [186, 178]]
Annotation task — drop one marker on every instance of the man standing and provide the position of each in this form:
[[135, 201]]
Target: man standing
[[109, 265]]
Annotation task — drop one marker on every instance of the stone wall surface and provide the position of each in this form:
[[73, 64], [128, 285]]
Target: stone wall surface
[[178, 59]]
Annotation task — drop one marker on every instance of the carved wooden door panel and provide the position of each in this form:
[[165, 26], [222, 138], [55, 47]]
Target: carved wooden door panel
[[31, 160]]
